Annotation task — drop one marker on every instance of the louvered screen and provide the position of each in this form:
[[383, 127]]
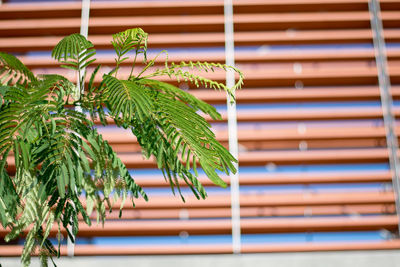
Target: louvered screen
[[313, 161]]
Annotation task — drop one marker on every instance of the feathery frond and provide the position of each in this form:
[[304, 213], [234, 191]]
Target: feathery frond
[[52, 157], [13, 71], [181, 71], [74, 51], [129, 40]]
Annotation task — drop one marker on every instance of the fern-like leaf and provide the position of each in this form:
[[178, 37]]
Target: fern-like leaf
[[13, 71], [74, 51], [179, 71], [126, 99], [126, 41], [60, 157]]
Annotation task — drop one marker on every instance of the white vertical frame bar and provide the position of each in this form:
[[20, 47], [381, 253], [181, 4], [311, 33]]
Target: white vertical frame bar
[[85, 17], [232, 126], [83, 31], [386, 98]]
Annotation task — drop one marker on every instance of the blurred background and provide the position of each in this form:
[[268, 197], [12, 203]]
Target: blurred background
[[314, 165]]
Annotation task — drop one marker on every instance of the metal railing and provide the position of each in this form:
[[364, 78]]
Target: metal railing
[[386, 97]]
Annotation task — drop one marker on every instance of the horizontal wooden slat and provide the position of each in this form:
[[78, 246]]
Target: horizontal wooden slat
[[29, 10], [286, 134], [286, 76], [39, 10], [250, 212], [138, 8], [286, 145], [267, 200], [333, 156], [279, 145], [197, 23], [334, 246], [309, 115], [248, 226], [171, 249], [388, 222], [337, 75], [20, 44], [287, 94], [284, 178], [291, 56], [256, 6], [290, 138], [257, 158], [116, 8]]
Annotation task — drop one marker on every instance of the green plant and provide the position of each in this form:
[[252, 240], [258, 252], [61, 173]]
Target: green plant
[[60, 158]]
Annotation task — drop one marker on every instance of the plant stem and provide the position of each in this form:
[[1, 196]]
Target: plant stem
[[134, 62]]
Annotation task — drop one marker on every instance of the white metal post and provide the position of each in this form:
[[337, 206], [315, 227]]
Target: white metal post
[[386, 98], [83, 31], [85, 17], [232, 126]]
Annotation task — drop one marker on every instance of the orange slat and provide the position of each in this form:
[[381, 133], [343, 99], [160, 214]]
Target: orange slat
[[130, 214], [260, 139], [340, 133], [310, 114], [196, 23], [278, 95], [248, 226], [287, 145], [171, 249], [240, 57], [270, 200], [315, 246], [332, 156], [257, 158], [116, 8], [19, 44], [29, 10], [284, 178], [276, 76]]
